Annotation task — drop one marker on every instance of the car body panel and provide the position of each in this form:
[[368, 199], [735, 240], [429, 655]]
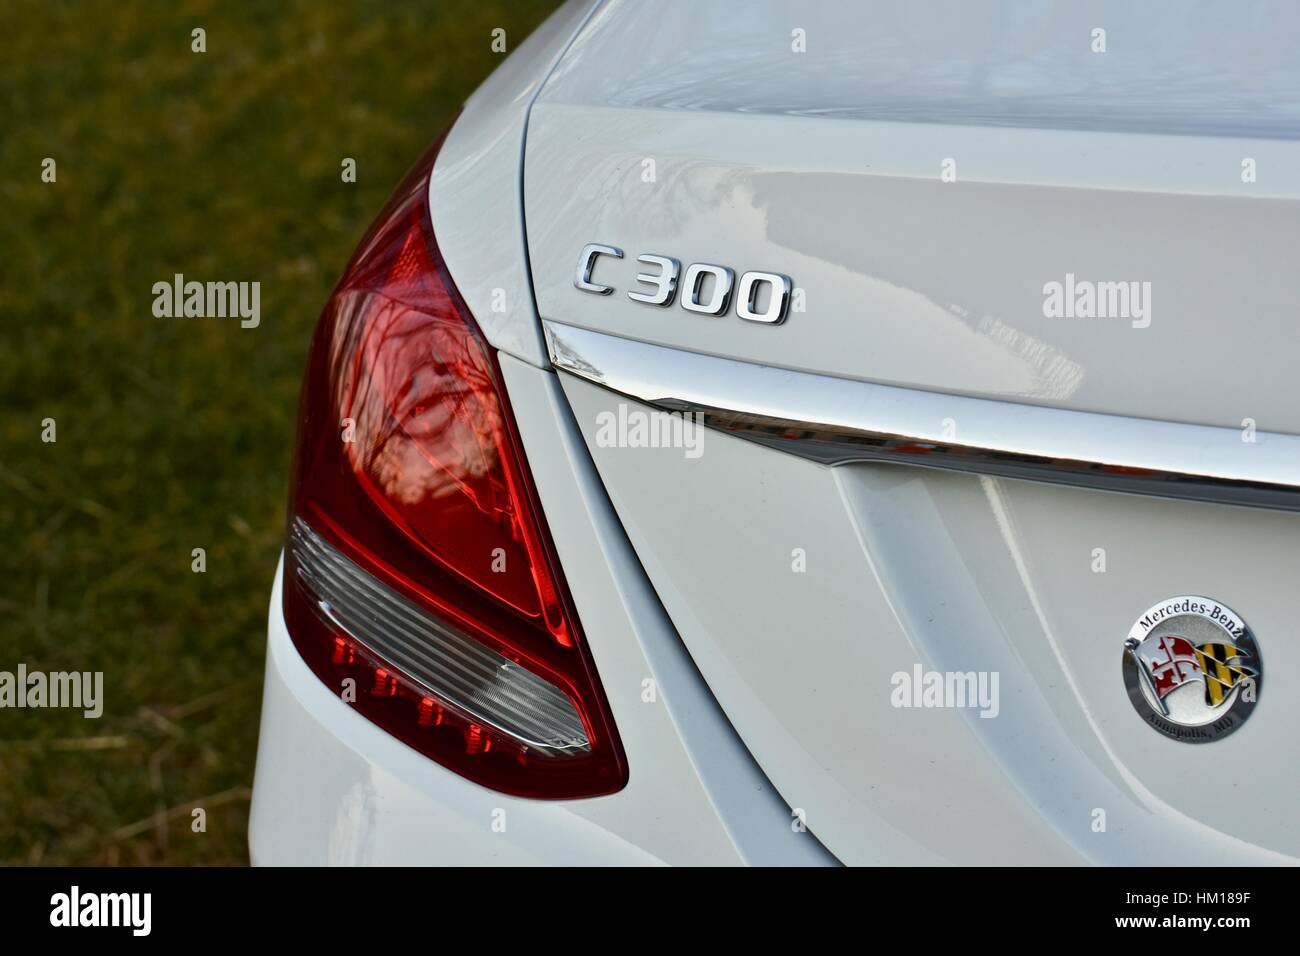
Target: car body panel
[[359, 796], [828, 166], [748, 610], [908, 567], [908, 280], [474, 191], [1214, 70]]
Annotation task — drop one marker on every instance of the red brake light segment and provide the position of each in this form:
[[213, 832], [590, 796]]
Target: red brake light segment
[[418, 560]]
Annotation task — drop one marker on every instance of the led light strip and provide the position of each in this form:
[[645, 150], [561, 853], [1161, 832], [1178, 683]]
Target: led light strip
[[457, 670], [837, 421]]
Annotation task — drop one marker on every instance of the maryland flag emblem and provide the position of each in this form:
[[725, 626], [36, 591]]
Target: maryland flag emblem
[[1222, 659], [1172, 661]]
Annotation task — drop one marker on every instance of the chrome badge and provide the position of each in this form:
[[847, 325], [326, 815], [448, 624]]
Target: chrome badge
[[720, 280], [1192, 669]]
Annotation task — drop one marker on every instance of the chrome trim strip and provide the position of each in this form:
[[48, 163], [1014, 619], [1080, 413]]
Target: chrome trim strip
[[836, 421]]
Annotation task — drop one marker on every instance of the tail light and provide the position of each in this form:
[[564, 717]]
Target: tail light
[[421, 582]]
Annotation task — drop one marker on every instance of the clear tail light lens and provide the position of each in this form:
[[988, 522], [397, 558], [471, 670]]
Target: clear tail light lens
[[421, 583]]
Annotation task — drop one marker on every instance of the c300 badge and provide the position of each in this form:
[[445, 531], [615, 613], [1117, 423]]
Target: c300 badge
[[1192, 669]]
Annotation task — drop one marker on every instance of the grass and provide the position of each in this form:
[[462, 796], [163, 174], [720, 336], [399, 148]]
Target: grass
[[176, 434]]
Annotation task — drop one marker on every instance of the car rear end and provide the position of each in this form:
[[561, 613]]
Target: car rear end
[[724, 392]]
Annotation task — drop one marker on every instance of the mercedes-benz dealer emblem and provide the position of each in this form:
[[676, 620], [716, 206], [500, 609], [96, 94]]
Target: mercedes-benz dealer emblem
[[1192, 669]]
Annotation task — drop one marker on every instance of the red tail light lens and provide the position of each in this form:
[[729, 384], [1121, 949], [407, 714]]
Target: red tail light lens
[[421, 584]]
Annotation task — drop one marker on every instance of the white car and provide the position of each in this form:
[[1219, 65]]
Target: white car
[[750, 436]]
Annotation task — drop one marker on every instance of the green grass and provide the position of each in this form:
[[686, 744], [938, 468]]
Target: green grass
[[176, 434]]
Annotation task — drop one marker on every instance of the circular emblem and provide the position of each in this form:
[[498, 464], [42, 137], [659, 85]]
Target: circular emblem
[[1192, 669]]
